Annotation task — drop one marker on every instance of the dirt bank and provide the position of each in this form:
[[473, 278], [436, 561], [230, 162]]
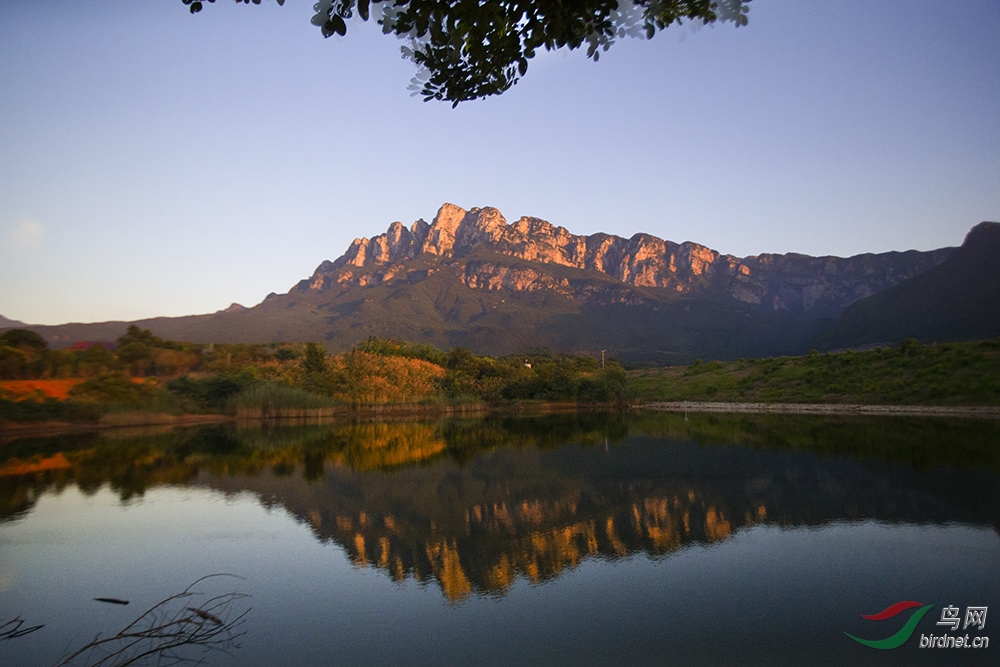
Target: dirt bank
[[13, 430], [123, 421], [989, 412]]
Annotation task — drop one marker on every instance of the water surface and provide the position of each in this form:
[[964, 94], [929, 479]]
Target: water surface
[[558, 540]]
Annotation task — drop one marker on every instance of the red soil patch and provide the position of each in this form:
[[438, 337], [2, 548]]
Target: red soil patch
[[21, 389]]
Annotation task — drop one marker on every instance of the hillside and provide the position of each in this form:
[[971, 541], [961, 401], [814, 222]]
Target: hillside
[[910, 374], [959, 299]]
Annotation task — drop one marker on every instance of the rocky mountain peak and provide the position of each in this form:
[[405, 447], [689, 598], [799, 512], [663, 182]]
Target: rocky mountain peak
[[441, 236], [797, 283]]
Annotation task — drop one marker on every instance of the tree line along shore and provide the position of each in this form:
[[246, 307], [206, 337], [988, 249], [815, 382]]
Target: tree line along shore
[[141, 373]]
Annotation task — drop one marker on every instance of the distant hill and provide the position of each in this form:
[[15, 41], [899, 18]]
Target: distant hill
[[7, 323], [471, 279], [959, 299]]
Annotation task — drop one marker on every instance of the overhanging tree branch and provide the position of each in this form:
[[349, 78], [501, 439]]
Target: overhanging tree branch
[[472, 49]]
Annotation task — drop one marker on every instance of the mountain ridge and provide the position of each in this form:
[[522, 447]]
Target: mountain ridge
[[469, 278], [643, 260], [958, 299], [7, 323]]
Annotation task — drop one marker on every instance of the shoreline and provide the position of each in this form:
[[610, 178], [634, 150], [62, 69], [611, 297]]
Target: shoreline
[[10, 430], [987, 411]]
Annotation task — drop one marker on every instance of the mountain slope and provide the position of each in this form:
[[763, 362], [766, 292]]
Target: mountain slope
[[959, 299], [7, 323]]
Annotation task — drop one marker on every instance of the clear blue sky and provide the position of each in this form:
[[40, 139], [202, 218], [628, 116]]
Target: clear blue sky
[[158, 163]]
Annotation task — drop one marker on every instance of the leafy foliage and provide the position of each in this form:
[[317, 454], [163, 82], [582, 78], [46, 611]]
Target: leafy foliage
[[114, 391], [23, 339], [910, 374], [49, 409], [212, 392], [245, 379], [540, 375], [369, 378], [271, 398], [22, 353], [396, 348], [13, 362], [136, 336], [472, 50]]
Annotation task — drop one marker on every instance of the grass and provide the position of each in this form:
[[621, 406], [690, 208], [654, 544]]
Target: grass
[[270, 397], [910, 374]]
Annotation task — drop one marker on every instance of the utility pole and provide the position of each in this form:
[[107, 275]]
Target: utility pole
[[602, 359]]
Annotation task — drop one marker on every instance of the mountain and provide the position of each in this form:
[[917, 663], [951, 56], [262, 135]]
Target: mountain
[[959, 299], [817, 286], [7, 323], [469, 278]]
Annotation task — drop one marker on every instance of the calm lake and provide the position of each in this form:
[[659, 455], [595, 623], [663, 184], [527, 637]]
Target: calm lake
[[651, 539]]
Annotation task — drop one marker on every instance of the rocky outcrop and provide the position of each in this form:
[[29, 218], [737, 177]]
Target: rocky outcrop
[[494, 276], [818, 286], [825, 285]]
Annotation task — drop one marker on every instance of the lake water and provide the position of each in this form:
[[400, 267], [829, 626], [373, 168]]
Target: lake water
[[562, 540]]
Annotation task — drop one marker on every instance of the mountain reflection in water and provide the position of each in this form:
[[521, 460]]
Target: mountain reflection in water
[[474, 504]]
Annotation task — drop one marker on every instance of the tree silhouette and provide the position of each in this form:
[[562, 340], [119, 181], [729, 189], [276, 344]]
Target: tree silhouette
[[467, 49]]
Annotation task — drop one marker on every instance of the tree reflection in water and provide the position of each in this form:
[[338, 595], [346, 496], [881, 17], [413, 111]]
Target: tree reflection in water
[[475, 504]]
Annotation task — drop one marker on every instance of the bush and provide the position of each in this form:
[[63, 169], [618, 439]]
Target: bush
[[111, 388], [394, 348], [49, 409], [113, 392], [271, 397], [212, 393]]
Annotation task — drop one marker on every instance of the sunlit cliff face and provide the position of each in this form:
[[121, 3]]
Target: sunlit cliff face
[[792, 282]]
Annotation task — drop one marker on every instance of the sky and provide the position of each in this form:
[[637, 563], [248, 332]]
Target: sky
[[157, 163]]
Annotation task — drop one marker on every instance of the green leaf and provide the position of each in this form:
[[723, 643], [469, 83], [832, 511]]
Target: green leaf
[[362, 9], [338, 25]]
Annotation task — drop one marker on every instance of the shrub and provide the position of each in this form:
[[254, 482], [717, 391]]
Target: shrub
[[271, 397], [112, 388], [212, 392]]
